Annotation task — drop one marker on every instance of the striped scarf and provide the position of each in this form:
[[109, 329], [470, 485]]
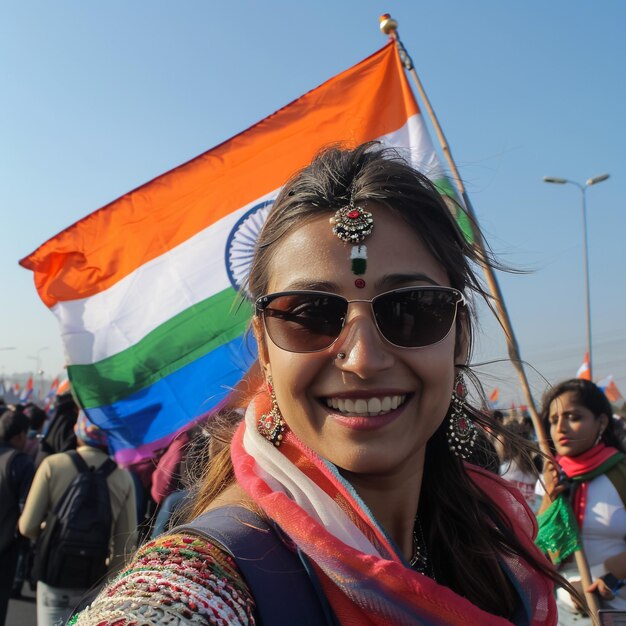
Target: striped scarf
[[364, 578]]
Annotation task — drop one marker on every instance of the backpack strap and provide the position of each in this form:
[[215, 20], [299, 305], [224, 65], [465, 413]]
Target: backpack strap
[[78, 461], [284, 586], [105, 469]]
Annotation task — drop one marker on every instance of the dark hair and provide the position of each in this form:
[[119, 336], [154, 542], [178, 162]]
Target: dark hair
[[466, 532], [36, 416], [12, 423], [592, 398]]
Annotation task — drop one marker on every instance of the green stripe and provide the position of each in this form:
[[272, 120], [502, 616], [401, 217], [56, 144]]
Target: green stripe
[[445, 188], [181, 340]]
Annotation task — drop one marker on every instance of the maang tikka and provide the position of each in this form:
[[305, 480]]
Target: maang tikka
[[352, 224], [272, 425], [462, 431]]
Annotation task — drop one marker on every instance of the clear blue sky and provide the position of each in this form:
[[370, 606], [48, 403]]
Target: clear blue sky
[[100, 97]]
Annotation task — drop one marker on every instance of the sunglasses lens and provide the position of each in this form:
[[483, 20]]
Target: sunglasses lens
[[416, 318], [304, 322]]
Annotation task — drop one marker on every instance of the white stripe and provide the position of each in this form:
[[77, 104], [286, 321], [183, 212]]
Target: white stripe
[[415, 145], [111, 321]]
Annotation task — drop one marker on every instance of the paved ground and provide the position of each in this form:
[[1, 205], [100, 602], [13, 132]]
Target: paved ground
[[23, 612]]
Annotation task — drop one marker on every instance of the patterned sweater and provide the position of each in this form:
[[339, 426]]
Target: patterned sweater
[[175, 580]]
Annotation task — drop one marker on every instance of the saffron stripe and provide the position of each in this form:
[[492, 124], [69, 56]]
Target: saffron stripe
[[161, 410], [190, 335], [366, 101]]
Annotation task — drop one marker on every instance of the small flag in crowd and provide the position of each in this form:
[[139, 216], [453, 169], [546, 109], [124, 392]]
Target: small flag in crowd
[[27, 392], [51, 394], [494, 396], [611, 390], [584, 371], [63, 387], [144, 369]]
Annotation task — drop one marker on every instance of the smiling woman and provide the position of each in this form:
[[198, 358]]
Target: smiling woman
[[343, 496]]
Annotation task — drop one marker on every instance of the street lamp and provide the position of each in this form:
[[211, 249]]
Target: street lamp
[[583, 190]]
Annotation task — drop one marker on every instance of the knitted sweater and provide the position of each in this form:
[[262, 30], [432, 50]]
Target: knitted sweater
[[174, 580]]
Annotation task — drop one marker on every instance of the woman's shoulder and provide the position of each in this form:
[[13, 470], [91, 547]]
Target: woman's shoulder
[[174, 579]]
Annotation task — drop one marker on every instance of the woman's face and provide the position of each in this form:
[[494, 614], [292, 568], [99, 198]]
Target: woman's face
[[362, 440], [573, 427]]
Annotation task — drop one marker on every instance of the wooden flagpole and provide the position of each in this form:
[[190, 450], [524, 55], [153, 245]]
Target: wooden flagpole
[[389, 26]]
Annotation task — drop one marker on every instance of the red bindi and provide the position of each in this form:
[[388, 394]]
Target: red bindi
[[359, 283]]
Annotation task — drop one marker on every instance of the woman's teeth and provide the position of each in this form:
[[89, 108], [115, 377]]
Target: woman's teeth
[[361, 406]]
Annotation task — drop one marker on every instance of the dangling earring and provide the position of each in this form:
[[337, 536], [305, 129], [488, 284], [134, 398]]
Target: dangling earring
[[599, 437], [461, 429], [271, 425]]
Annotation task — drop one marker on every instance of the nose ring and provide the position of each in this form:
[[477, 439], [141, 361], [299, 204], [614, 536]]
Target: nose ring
[[341, 355]]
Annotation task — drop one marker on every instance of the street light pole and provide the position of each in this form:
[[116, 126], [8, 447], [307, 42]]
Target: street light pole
[[583, 191]]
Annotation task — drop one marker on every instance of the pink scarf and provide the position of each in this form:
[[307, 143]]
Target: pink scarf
[[584, 468], [364, 579], [585, 463]]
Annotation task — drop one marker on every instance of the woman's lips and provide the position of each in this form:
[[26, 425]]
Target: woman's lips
[[361, 413]]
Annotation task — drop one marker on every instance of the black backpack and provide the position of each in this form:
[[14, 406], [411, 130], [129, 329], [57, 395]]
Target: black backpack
[[73, 548]]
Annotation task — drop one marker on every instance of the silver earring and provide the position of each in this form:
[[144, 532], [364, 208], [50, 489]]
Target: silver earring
[[341, 355], [461, 428], [599, 437]]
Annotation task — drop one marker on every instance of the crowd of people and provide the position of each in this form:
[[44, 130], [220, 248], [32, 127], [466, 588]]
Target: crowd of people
[[357, 484]]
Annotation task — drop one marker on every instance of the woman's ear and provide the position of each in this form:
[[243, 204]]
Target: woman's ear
[[462, 343], [604, 421], [259, 335]]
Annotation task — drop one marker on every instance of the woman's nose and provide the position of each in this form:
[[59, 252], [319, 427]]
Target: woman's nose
[[367, 353]]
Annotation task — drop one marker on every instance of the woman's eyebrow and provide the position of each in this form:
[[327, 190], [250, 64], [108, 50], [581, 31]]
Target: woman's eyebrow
[[391, 280], [311, 285]]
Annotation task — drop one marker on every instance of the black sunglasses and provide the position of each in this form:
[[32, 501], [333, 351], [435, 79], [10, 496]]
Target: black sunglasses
[[310, 321]]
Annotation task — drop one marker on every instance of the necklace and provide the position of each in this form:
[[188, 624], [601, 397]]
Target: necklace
[[419, 559]]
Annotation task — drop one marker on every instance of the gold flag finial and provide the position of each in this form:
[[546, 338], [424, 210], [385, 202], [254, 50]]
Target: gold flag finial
[[387, 24]]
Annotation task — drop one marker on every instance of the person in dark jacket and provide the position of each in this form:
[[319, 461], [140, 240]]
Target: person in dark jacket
[[60, 436], [16, 475]]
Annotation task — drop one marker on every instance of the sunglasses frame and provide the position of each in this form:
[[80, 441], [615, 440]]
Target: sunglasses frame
[[264, 301]]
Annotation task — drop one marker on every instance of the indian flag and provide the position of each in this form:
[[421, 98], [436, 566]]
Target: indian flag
[[147, 289]]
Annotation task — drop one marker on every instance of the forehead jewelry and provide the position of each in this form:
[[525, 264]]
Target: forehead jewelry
[[352, 224]]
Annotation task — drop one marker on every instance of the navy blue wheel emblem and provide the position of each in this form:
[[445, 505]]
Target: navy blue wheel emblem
[[241, 242]]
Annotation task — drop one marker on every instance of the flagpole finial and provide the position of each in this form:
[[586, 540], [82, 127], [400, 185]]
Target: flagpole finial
[[388, 25]]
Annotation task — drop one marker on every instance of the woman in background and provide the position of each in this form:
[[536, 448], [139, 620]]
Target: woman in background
[[592, 474]]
